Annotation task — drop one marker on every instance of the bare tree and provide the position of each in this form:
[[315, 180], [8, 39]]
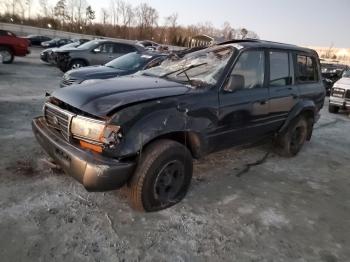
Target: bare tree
[[90, 14], [227, 31], [44, 9], [171, 20], [81, 8], [29, 7], [147, 18], [126, 14], [114, 11], [104, 15]]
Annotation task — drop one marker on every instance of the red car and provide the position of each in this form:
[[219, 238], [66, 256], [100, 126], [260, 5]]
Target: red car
[[11, 46]]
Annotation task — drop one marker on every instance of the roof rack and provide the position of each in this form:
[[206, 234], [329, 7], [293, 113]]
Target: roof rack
[[233, 41], [252, 40]]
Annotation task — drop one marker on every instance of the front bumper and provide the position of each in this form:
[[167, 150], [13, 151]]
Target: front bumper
[[94, 171], [341, 102]]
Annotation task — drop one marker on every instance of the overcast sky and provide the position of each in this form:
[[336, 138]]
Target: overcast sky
[[303, 22]]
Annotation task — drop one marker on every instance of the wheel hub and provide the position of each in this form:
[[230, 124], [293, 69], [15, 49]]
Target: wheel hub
[[6, 56], [169, 181]]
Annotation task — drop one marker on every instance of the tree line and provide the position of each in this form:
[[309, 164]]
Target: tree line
[[119, 20]]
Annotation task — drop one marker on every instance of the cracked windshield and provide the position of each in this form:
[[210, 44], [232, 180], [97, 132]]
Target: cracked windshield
[[201, 68]]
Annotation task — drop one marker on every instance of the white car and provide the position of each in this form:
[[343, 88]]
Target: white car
[[340, 94]]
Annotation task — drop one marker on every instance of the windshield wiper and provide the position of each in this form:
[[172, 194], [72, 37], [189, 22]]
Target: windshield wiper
[[183, 70]]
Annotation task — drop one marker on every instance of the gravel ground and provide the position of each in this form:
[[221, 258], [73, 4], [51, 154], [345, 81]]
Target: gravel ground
[[294, 209]]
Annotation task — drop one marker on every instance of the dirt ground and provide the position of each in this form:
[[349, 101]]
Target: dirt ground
[[294, 209]]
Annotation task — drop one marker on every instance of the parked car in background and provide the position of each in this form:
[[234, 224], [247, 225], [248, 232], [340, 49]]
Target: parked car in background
[[340, 94], [143, 131], [331, 73], [150, 45], [49, 56], [11, 46], [124, 65], [37, 39], [94, 52], [57, 42]]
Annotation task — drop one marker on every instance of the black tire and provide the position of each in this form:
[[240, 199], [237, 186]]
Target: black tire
[[7, 55], [162, 176], [290, 143], [77, 63], [333, 109]]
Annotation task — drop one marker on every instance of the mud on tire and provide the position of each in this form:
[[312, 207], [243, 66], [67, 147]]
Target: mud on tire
[[162, 177]]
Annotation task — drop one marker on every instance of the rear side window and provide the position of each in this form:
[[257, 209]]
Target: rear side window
[[124, 49], [306, 69], [279, 69]]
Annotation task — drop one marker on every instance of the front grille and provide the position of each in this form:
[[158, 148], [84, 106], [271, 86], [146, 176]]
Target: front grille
[[58, 119], [347, 94], [338, 92]]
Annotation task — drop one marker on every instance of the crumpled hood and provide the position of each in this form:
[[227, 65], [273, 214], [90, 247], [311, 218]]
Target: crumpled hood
[[91, 72], [343, 82], [102, 97]]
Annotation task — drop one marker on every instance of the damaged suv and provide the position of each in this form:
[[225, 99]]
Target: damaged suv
[[143, 131]]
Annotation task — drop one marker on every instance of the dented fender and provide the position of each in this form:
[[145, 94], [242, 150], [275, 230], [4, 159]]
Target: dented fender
[[144, 122]]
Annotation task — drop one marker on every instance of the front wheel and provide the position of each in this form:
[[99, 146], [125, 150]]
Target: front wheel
[[7, 55], [290, 143], [162, 177], [333, 109], [75, 64]]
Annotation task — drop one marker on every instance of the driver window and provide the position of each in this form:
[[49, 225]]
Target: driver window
[[251, 67]]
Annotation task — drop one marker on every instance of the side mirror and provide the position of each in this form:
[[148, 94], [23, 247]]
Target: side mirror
[[235, 82], [96, 50]]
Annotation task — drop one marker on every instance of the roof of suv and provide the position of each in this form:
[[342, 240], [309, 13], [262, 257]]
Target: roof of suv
[[121, 41], [267, 44]]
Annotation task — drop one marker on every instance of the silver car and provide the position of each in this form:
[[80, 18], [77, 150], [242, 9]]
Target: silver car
[[94, 52]]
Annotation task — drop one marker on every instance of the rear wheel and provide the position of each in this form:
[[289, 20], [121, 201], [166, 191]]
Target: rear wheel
[[7, 55], [333, 109], [162, 177], [290, 143], [75, 64]]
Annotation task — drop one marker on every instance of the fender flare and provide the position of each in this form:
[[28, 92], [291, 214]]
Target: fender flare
[[304, 106], [167, 124]]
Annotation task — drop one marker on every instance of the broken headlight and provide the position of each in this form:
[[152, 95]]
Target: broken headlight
[[94, 131]]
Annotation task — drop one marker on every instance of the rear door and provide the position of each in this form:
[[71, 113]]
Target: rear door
[[283, 91], [308, 78], [242, 112]]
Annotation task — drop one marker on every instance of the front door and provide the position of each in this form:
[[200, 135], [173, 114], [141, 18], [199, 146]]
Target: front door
[[243, 111]]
